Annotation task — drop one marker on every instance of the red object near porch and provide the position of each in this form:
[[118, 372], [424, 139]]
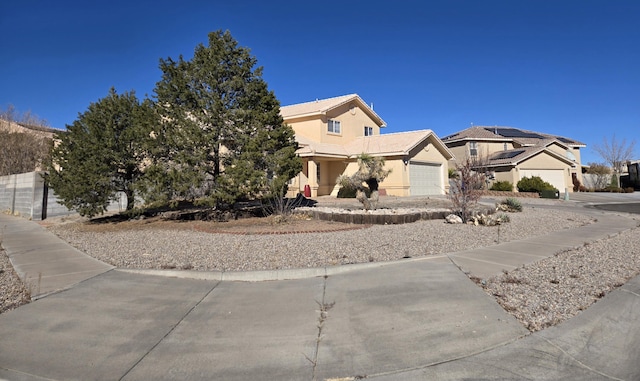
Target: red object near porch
[[307, 191]]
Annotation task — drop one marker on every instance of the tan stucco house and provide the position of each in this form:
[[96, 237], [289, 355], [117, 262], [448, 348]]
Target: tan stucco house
[[331, 133], [509, 154]]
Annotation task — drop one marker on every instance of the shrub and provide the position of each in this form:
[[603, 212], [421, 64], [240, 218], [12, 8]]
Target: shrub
[[350, 192], [614, 181], [503, 217], [504, 186], [629, 190], [576, 183], [513, 204], [534, 184]]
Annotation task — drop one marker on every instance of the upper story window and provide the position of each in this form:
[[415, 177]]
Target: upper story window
[[368, 131], [333, 126], [473, 149]]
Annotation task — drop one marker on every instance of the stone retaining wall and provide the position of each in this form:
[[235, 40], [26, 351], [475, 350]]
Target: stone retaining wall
[[490, 193], [390, 218]]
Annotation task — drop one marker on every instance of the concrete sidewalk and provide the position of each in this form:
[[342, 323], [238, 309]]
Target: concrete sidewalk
[[418, 319], [44, 262]]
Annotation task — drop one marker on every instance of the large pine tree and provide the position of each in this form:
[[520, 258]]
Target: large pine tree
[[221, 138], [101, 153]]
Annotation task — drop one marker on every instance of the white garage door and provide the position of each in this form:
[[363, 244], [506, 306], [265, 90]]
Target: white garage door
[[425, 179], [554, 177]]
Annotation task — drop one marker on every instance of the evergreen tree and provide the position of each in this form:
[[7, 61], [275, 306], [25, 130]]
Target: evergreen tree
[[101, 153], [222, 137]]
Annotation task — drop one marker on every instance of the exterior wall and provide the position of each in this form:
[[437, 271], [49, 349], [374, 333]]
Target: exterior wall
[[510, 175], [397, 183], [460, 152], [557, 149], [543, 161], [578, 169], [486, 148], [330, 171], [352, 122], [25, 195], [461, 149], [310, 128], [576, 152], [427, 152], [590, 181]]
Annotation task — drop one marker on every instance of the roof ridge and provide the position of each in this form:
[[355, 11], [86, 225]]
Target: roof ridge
[[323, 100], [402, 132]]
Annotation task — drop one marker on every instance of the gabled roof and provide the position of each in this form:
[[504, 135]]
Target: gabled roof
[[396, 144], [309, 148], [516, 156], [502, 134], [323, 106]]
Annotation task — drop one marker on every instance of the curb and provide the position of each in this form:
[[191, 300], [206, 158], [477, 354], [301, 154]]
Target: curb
[[273, 275]]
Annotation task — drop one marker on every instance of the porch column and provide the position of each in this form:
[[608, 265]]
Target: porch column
[[313, 177]]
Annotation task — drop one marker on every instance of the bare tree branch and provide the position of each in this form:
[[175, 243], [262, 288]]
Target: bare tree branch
[[615, 153]]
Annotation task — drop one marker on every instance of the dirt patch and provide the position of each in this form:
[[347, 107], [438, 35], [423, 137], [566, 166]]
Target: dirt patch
[[254, 225]]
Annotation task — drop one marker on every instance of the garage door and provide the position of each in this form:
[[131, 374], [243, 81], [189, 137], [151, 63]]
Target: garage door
[[554, 177], [425, 179]]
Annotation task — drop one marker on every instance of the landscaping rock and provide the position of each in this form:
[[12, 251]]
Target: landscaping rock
[[453, 219]]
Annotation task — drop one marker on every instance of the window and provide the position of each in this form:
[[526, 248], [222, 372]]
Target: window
[[368, 131], [473, 149], [318, 173], [334, 126]]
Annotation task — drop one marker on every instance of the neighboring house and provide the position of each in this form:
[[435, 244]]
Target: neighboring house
[[331, 133], [9, 126], [510, 154]]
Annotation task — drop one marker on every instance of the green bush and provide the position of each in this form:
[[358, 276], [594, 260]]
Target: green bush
[[513, 204], [534, 184], [503, 217], [350, 192], [614, 181], [504, 186]]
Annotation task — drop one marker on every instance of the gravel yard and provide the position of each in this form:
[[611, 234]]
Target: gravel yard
[[167, 248], [539, 295], [14, 293], [552, 290]]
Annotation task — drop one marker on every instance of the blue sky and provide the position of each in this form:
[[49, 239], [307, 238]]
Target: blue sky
[[569, 68]]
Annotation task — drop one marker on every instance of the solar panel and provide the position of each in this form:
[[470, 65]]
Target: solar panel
[[507, 154], [513, 133]]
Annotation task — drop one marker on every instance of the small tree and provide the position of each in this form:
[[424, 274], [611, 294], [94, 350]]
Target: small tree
[[101, 154], [370, 172], [22, 150], [466, 188], [600, 175], [615, 153]]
